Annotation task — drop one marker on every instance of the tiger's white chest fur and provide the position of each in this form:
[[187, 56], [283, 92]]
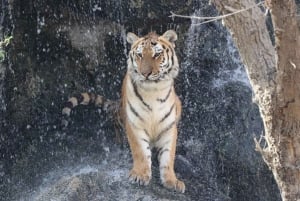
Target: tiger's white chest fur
[[150, 107]]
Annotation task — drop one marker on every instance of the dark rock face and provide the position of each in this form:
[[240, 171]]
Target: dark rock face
[[60, 48]]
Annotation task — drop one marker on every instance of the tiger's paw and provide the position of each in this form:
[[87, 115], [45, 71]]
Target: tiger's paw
[[142, 177], [175, 184]]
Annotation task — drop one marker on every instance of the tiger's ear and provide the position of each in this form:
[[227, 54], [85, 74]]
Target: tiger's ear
[[131, 37], [170, 35]]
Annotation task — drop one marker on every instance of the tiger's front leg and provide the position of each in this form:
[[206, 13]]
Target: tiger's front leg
[[141, 154], [166, 155]]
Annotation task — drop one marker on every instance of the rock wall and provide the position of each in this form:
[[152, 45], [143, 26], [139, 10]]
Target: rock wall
[[63, 47]]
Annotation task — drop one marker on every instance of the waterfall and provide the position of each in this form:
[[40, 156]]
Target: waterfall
[[234, 70]]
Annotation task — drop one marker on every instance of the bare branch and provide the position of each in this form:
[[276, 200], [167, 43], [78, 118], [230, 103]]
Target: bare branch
[[215, 18]]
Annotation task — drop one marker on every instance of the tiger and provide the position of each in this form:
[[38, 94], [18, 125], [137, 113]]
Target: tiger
[[149, 107]]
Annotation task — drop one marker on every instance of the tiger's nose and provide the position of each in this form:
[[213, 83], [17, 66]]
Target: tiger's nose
[[146, 73]]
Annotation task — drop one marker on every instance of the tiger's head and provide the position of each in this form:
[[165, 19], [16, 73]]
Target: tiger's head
[[152, 57]]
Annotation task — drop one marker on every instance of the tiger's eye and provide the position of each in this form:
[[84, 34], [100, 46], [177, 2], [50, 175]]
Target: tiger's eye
[[157, 54]]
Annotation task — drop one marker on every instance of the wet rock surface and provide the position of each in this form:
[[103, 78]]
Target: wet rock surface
[[62, 48]]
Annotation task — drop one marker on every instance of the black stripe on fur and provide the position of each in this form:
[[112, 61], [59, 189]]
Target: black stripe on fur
[[166, 98], [79, 98], [68, 104], [134, 111], [161, 151], [147, 133], [166, 129], [139, 96], [168, 114]]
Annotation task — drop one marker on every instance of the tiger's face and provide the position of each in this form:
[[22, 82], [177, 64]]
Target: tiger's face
[[152, 57]]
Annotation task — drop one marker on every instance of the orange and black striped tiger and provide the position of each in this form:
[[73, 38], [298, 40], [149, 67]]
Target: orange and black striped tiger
[[150, 109]]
